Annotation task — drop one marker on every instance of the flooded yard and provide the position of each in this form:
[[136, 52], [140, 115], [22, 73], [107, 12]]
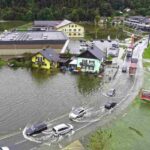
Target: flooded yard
[[29, 96]]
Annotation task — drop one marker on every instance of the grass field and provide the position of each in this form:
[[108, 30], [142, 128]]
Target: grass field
[[24, 27], [146, 53], [10, 25]]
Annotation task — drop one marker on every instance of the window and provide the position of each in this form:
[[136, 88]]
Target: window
[[69, 34], [39, 59], [72, 26], [79, 34], [69, 29], [91, 68], [75, 34], [79, 29], [74, 29], [91, 62], [75, 25], [84, 62]]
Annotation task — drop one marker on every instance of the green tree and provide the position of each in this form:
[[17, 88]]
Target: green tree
[[96, 21]]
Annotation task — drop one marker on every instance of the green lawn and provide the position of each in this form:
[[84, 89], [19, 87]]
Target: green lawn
[[146, 64], [2, 63], [10, 25], [25, 27], [146, 53]]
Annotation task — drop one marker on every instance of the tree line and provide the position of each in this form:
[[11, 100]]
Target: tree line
[[76, 10]]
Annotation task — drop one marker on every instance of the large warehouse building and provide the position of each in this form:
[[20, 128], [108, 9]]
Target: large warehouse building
[[12, 43]]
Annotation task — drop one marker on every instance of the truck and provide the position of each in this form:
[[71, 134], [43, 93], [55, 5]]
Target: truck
[[133, 66], [132, 69]]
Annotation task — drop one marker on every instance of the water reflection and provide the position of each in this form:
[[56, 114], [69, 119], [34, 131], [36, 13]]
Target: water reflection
[[88, 83], [42, 76], [29, 96]]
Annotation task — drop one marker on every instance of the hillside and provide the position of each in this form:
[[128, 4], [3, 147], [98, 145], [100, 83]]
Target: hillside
[[71, 9]]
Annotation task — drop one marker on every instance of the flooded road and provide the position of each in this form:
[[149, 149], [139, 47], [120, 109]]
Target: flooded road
[[29, 96]]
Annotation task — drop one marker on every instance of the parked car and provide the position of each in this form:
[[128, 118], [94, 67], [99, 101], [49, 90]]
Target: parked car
[[115, 45], [37, 128], [62, 129], [4, 148], [77, 113], [129, 52], [111, 92], [124, 68], [110, 105]]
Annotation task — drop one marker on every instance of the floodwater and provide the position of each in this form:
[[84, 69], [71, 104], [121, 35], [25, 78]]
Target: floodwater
[[29, 96]]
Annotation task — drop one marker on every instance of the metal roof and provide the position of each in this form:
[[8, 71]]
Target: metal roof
[[95, 51], [50, 54], [33, 36], [43, 23], [64, 23]]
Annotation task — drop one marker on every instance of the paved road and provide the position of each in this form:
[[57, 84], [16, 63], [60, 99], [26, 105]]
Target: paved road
[[126, 88]]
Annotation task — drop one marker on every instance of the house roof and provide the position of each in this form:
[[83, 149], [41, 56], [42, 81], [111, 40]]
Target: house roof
[[50, 54], [43, 23], [73, 62], [63, 23], [95, 51]]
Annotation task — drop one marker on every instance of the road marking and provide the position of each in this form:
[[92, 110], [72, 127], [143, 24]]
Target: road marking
[[10, 135], [20, 142]]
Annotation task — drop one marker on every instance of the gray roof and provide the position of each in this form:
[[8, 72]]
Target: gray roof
[[95, 51], [104, 45], [43, 23], [50, 54], [63, 23], [74, 47], [33, 36]]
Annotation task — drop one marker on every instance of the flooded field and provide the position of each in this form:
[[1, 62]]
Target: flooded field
[[29, 96]]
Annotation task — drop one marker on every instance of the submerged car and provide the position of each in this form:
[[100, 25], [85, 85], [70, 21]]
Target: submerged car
[[62, 129], [110, 105], [4, 148], [111, 92], [77, 113], [37, 128]]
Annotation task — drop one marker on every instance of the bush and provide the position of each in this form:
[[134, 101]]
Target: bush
[[2, 62], [99, 140], [146, 53], [16, 63]]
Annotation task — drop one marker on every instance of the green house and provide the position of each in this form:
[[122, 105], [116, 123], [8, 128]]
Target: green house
[[90, 60]]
